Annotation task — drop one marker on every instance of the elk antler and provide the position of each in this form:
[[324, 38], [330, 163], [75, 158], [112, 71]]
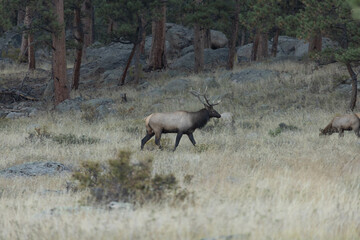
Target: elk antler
[[199, 95]]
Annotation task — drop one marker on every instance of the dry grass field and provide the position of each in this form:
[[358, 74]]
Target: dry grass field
[[247, 183]]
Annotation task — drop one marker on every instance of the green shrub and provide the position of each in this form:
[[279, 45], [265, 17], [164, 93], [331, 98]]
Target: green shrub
[[120, 180]]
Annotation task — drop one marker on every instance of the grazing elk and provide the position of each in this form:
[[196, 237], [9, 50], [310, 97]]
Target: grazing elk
[[180, 122], [342, 123]]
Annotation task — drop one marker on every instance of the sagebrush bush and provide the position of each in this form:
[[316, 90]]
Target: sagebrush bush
[[120, 180]]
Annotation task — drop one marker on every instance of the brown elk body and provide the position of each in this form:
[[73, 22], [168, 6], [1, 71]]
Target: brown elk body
[[180, 122], [342, 123]]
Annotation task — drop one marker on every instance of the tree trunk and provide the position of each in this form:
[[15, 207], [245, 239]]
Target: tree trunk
[[30, 39], [198, 48], [20, 16], [111, 26], [354, 86], [233, 39], [262, 52], [275, 43], [122, 80], [315, 43], [31, 52], [23, 55], [79, 38], [87, 21], [143, 36], [254, 49], [207, 38], [24, 41], [59, 55], [157, 54], [137, 65]]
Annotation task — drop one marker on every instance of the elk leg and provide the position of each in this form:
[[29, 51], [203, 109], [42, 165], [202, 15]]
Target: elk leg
[[357, 132], [178, 137], [145, 139], [191, 137], [341, 133], [157, 139]]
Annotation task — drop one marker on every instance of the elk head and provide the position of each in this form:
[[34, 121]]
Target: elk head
[[208, 106]]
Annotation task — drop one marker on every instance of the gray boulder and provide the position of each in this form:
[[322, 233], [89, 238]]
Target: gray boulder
[[218, 39], [187, 50], [287, 46], [69, 105], [302, 47], [244, 52], [112, 76], [148, 42], [10, 41], [96, 102], [14, 115], [179, 37], [252, 75], [97, 108], [34, 169], [212, 58]]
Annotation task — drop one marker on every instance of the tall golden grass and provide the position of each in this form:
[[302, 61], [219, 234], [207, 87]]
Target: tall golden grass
[[246, 183]]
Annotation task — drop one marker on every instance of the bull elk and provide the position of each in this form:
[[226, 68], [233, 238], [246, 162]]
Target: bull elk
[[342, 123], [180, 122]]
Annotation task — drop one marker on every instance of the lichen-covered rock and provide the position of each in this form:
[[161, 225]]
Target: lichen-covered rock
[[33, 169]]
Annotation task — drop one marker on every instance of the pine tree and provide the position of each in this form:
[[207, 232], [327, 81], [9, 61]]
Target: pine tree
[[333, 18], [59, 52], [157, 54], [129, 17]]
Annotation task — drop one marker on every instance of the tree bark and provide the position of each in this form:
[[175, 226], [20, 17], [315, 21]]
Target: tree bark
[[233, 39], [123, 76], [198, 48], [315, 43], [87, 21], [262, 52], [143, 36], [111, 26], [275, 43], [24, 41], [137, 65], [157, 54], [20, 16], [79, 38], [30, 39], [24, 45], [354, 86], [23, 55], [59, 55], [31, 52], [254, 49]]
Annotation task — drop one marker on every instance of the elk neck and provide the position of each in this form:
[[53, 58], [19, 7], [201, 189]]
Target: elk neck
[[200, 118]]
